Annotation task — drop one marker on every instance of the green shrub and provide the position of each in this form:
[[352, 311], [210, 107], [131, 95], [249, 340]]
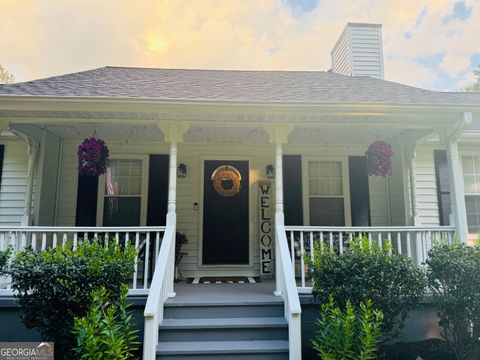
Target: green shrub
[[5, 260], [105, 332], [52, 287], [350, 334], [392, 282], [453, 278]]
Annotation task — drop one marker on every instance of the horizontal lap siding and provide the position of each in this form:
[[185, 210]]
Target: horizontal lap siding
[[427, 201], [14, 180]]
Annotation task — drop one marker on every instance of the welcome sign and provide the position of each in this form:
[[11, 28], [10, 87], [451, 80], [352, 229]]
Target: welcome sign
[[265, 227]]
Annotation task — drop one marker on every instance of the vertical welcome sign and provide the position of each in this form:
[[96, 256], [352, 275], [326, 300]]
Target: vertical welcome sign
[[265, 227]]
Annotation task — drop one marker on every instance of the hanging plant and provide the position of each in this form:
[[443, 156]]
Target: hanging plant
[[92, 157], [379, 158]]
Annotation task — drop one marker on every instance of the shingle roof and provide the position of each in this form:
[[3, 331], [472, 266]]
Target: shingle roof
[[233, 85]]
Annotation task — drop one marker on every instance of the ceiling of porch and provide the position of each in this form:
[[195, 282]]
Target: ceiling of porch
[[123, 133]]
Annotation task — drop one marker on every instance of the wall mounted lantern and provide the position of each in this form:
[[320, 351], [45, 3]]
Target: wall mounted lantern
[[270, 171], [182, 171]]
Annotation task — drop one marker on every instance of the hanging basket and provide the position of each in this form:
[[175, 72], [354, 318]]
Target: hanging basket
[[92, 157], [379, 159]]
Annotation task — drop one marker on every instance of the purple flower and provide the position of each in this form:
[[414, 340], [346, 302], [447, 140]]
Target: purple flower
[[92, 157], [379, 159]]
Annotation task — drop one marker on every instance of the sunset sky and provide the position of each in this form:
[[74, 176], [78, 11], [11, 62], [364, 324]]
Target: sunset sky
[[432, 43]]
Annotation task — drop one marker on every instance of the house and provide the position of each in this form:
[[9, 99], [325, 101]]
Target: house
[[253, 166]]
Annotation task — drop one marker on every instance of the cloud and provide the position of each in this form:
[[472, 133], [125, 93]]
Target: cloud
[[50, 37]]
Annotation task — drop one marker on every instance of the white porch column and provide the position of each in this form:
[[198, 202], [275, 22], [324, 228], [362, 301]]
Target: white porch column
[[457, 187], [412, 172], [27, 208], [457, 190], [279, 215], [172, 178]]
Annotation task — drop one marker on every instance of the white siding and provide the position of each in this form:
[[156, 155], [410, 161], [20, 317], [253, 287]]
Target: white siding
[[341, 55], [47, 179], [359, 51], [14, 180], [427, 201]]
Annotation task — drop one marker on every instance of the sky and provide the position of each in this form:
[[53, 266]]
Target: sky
[[434, 44]]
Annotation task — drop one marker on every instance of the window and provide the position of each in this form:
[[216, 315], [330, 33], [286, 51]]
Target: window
[[121, 202], [471, 179], [326, 197]]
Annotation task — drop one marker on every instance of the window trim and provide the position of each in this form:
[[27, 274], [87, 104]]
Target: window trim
[[463, 155], [144, 191], [346, 186]]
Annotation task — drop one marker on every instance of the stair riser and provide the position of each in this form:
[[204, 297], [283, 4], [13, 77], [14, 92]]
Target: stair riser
[[261, 356], [206, 334], [216, 312]]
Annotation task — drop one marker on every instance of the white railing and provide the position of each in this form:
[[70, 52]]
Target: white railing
[[412, 241], [161, 289], [286, 287], [147, 241]]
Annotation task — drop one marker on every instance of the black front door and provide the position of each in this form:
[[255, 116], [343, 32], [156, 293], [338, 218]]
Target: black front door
[[225, 212]]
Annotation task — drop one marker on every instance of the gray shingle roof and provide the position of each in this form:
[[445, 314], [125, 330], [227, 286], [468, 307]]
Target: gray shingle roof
[[233, 85]]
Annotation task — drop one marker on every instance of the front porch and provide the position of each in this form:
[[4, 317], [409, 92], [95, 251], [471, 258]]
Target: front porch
[[302, 177]]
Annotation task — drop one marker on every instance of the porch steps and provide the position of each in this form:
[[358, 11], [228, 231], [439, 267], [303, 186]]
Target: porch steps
[[223, 329]]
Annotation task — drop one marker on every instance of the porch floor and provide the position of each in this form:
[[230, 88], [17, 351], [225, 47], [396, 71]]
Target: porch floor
[[224, 293]]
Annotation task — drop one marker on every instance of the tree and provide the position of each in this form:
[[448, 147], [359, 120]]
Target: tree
[[476, 85], [5, 76]]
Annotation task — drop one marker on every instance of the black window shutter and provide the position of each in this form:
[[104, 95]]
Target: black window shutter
[[359, 192], [2, 153], [443, 186], [87, 193], [292, 189], [157, 190]]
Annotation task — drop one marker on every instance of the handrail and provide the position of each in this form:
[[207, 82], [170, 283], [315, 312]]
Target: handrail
[[286, 285], [93, 229], [368, 228], [161, 288]]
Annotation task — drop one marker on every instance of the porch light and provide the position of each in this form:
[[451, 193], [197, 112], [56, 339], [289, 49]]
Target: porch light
[[182, 171], [270, 171]]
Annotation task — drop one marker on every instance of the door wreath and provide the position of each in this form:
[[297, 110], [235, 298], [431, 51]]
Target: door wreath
[[226, 180]]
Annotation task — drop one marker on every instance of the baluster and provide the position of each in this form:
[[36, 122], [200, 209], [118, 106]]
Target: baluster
[[34, 241], [340, 242], [389, 238], [127, 235], [292, 249], [117, 238], [147, 257], [424, 246], [380, 245], [370, 241], [65, 238], [311, 243], [331, 240], [44, 241], [302, 260], [409, 245], [75, 239], [399, 242], [157, 246], [23, 240], [54, 240], [85, 236], [105, 238], [449, 237], [135, 266]]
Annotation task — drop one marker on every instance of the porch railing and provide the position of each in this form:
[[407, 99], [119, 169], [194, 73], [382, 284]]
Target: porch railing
[[285, 286], [147, 241], [413, 241], [162, 288]]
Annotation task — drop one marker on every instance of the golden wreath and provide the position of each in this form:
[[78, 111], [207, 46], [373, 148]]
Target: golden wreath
[[226, 173]]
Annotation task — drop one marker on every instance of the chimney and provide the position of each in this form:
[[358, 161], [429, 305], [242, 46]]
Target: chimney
[[359, 51]]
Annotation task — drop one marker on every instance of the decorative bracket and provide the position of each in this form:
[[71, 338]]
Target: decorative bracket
[[278, 133], [173, 131]]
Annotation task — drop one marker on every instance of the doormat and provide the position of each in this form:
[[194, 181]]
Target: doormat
[[224, 280]]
